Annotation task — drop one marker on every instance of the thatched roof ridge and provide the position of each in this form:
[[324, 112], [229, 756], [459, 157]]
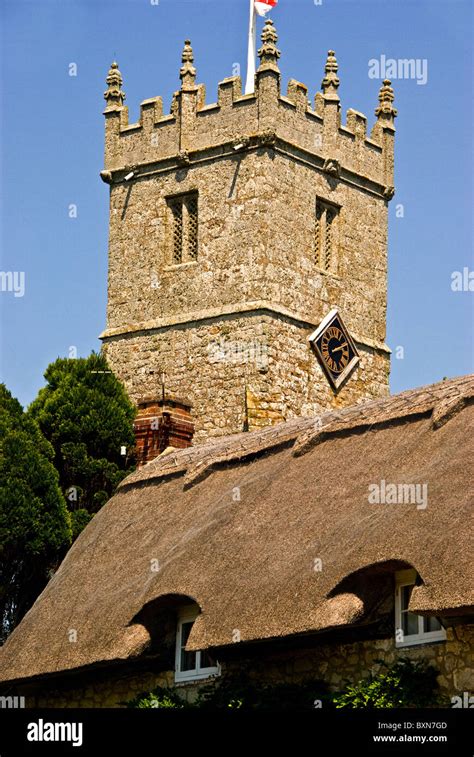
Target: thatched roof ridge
[[442, 400]]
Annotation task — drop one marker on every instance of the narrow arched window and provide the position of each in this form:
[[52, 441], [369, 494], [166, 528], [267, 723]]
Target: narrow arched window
[[183, 225], [326, 236]]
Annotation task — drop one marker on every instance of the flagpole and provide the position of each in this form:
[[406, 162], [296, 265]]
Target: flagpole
[[252, 50]]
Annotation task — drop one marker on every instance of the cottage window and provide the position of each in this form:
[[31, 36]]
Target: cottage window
[[411, 629], [184, 228], [191, 666], [326, 236]]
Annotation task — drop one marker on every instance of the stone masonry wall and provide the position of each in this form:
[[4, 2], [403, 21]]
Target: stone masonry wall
[[335, 664], [255, 243], [339, 664], [255, 367]]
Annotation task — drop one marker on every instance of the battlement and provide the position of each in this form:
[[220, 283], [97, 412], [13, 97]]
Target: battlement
[[194, 131]]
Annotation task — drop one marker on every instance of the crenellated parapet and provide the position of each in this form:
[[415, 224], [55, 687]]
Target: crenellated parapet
[[195, 130]]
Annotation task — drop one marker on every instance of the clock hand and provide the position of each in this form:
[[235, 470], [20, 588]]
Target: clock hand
[[341, 347]]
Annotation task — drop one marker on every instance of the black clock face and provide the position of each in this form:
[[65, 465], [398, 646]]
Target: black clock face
[[335, 348]]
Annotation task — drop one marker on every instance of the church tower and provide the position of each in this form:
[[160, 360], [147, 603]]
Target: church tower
[[248, 248]]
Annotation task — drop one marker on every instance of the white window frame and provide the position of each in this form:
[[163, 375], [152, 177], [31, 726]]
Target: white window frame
[[189, 615], [408, 578]]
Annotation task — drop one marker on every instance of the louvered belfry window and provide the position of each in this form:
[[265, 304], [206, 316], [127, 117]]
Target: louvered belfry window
[[177, 212], [192, 208], [184, 227], [326, 236]]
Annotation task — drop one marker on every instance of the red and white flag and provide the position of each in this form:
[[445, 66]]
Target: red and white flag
[[263, 6]]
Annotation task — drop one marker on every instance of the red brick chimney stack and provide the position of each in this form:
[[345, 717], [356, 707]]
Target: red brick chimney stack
[[161, 423]]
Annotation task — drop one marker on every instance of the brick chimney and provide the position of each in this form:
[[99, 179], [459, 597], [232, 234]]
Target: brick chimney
[[161, 423]]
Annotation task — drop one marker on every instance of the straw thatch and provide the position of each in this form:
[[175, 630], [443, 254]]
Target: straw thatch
[[238, 523]]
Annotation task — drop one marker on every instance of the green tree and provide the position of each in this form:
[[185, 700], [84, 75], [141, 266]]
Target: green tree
[[84, 412], [35, 525]]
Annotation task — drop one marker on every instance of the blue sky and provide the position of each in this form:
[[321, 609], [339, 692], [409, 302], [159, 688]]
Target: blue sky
[[51, 143]]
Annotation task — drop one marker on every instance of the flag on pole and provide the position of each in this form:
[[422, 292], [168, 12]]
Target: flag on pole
[[263, 6], [260, 7]]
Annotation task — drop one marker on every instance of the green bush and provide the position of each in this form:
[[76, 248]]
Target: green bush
[[159, 698], [403, 684], [239, 692]]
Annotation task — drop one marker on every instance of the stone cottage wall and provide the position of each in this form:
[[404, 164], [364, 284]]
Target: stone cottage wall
[[335, 664], [340, 664]]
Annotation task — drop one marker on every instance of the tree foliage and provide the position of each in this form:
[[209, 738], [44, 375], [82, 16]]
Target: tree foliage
[[35, 526], [403, 684], [84, 412]]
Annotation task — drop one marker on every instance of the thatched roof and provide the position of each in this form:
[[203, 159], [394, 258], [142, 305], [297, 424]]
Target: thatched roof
[[237, 524]]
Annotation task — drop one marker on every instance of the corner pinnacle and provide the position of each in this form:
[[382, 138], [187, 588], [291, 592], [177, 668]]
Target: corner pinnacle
[[187, 73], [269, 53], [113, 95], [385, 108], [330, 83]]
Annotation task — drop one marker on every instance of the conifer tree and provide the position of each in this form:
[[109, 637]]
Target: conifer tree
[[35, 525], [84, 412]]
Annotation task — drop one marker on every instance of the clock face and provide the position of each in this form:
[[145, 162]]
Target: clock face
[[335, 348]]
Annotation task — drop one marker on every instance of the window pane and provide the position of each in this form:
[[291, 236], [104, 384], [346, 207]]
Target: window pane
[[405, 596], [431, 624], [185, 632], [188, 659], [409, 623], [207, 661]]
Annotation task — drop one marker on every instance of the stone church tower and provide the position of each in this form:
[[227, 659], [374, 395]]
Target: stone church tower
[[236, 228]]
